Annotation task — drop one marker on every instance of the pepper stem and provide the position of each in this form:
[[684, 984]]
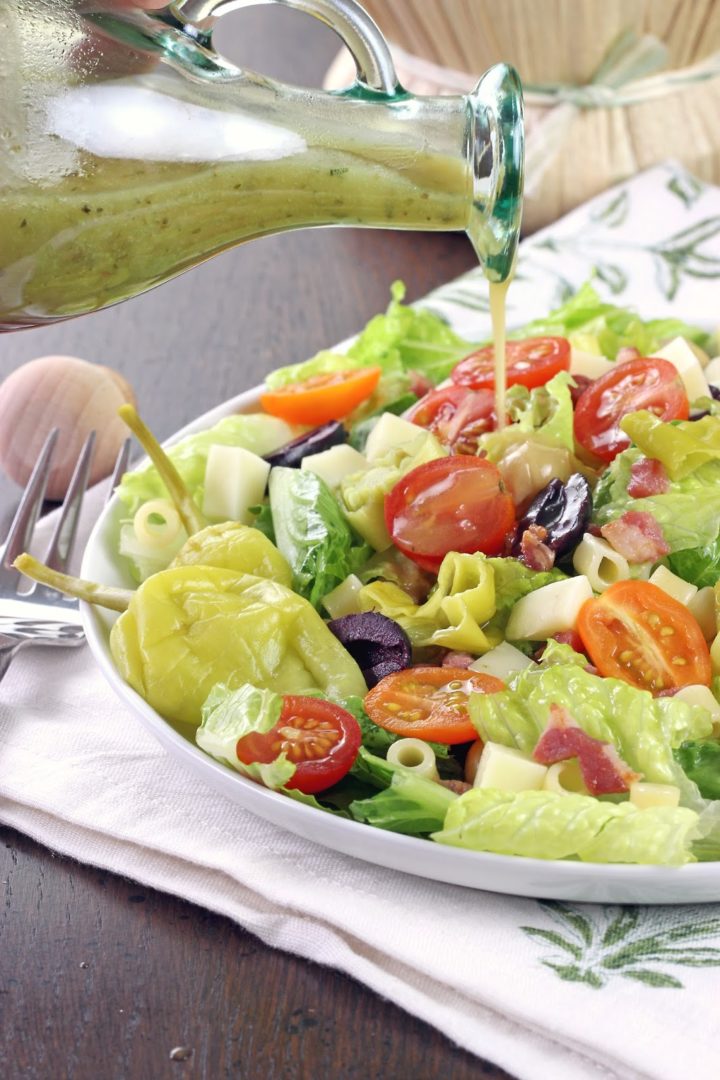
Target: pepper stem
[[190, 515], [102, 595]]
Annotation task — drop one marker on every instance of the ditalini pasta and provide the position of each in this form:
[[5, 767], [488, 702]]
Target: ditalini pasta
[[416, 755], [601, 564]]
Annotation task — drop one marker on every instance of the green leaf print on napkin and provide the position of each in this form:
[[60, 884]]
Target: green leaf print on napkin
[[687, 188], [614, 213], [679, 255], [594, 944]]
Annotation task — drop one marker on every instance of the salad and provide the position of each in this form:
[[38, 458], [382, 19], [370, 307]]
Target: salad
[[377, 600]]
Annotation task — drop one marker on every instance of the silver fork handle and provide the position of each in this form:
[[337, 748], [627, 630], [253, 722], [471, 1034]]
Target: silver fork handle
[[44, 631]]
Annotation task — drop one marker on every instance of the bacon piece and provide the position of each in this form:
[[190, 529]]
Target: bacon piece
[[420, 385], [648, 477], [571, 638], [628, 352], [533, 552], [458, 659], [581, 384], [603, 770], [637, 536]]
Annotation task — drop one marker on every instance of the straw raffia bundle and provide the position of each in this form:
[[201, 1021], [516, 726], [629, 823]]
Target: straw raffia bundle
[[612, 86]]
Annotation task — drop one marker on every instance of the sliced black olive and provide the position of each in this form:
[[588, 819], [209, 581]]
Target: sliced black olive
[[378, 645], [714, 391], [563, 510], [312, 442]]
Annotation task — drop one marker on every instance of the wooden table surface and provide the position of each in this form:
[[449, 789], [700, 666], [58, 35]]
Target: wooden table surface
[[100, 979]]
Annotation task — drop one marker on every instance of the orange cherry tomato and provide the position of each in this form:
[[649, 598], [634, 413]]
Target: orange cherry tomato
[[322, 397], [320, 739], [634, 631], [429, 703]]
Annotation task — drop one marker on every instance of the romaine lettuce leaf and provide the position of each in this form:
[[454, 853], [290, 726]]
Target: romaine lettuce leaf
[[544, 415], [422, 341], [700, 761], [252, 431], [700, 566], [688, 513], [411, 805], [602, 328], [545, 825], [227, 715], [682, 446], [312, 533], [642, 728]]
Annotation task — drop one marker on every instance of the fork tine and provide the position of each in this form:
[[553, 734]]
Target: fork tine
[[63, 537], [121, 465], [18, 538]]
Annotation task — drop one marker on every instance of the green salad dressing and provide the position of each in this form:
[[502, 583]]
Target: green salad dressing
[[117, 227]]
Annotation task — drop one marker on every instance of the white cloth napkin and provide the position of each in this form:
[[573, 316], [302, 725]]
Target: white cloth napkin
[[542, 989]]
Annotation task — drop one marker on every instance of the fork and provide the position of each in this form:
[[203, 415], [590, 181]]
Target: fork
[[32, 614]]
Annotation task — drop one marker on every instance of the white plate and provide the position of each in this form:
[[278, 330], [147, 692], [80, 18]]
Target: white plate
[[497, 873]]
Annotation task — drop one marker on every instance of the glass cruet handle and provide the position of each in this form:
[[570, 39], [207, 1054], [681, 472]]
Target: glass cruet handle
[[375, 68]]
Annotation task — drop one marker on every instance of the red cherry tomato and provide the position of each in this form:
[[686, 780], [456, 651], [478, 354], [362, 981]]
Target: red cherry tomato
[[455, 503], [320, 739], [531, 362], [651, 384], [636, 632], [457, 416], [429, 702]]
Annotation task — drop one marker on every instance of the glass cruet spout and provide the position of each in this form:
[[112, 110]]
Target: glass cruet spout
[[130, 151]]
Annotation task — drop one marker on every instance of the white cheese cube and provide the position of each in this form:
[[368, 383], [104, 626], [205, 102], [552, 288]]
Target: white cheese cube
[[530, 466], [335, 464], [343, 600], [681, 356], [673, 585], [645, 795], [390, 432], [507, 769], [702, 606], [502, 661], [697, 694], [549, 610], [585, 363], [712, 371], [235, 480]]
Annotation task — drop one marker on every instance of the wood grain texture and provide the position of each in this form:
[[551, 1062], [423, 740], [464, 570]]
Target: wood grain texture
[[100, 979]]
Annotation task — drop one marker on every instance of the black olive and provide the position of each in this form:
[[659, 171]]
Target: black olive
[[563, 510], [378, 645], [714, 391], [698, 414], [312, 442]]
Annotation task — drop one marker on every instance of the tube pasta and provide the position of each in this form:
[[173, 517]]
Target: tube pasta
[[601, 564], [416, 755], [161, 532]]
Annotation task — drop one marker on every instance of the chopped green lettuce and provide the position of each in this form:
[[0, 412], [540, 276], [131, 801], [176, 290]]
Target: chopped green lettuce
[[700, 760], [312, 533], [543, 415], [688, 513], [256, 432], [644, 729], [700, 566], [411, 805], [545, 825], [228, 715], [682, 446], [598, 327]]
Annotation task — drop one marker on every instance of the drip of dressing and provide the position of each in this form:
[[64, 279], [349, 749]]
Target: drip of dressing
[[498, 295]]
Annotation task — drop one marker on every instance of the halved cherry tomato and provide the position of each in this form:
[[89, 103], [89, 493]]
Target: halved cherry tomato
[[455, 503], [634, 631], [638, 384], [322, 397], [531, 362], [319, 738], [429, 702], [457, 416]]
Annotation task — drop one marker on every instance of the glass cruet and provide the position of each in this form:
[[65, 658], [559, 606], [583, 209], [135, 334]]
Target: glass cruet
[[130, 151]]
